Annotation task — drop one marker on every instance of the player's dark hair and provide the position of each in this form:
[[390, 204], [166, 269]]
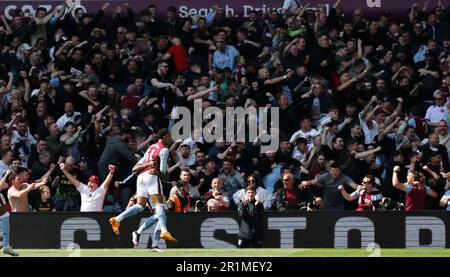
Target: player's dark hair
[[162, 132]]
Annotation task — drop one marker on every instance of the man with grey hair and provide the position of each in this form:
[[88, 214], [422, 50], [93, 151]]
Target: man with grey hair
[[439, 111], [42, 165]]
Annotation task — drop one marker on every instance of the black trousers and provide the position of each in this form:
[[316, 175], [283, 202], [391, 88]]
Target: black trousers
[[249, 243]]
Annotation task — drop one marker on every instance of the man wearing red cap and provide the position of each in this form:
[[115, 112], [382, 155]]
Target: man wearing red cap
[[92, 196]]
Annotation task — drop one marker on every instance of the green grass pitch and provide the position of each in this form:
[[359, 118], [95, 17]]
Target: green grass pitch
[[298, 252]]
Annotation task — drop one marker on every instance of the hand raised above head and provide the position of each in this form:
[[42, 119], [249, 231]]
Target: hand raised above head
[[111, 168]]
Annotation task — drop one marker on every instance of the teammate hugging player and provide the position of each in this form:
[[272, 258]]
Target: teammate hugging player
[[151, 168]]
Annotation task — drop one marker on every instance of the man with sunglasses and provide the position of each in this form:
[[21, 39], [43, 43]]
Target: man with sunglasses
[[369, 198], [159, 80], [289, 196]]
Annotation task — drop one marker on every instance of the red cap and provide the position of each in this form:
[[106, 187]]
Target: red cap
[[94, 179]]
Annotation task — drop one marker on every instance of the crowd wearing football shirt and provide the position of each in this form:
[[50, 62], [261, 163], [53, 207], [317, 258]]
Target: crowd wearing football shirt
[[363, 106]]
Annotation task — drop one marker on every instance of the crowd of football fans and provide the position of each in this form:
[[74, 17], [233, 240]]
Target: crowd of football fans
[[356, 97]]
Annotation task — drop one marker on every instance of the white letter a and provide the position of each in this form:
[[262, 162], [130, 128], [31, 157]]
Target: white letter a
[[373, 3]]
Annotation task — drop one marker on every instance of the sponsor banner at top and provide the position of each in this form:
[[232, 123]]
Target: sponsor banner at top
[[233, 8]]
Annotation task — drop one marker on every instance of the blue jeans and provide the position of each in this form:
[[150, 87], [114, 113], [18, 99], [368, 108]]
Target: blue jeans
[[4, 224]]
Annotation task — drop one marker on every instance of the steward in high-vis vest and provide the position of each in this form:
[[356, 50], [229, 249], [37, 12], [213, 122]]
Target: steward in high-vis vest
[[180, 201]]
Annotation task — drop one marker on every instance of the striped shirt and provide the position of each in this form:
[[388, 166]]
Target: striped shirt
[[366, 199]]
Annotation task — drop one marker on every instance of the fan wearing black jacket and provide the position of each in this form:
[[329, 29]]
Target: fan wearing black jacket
[[250, 210]]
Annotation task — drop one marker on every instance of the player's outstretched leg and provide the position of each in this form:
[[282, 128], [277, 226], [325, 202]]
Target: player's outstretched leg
[[147, 224], [115, 221], [160, 213]]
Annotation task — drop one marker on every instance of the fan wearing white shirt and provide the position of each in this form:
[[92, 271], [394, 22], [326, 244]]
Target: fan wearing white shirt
[[306, 131], [92, 195], [21, 138], [69, 116], [370, 118], [301, 151], [182, 154], [439, 111]]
